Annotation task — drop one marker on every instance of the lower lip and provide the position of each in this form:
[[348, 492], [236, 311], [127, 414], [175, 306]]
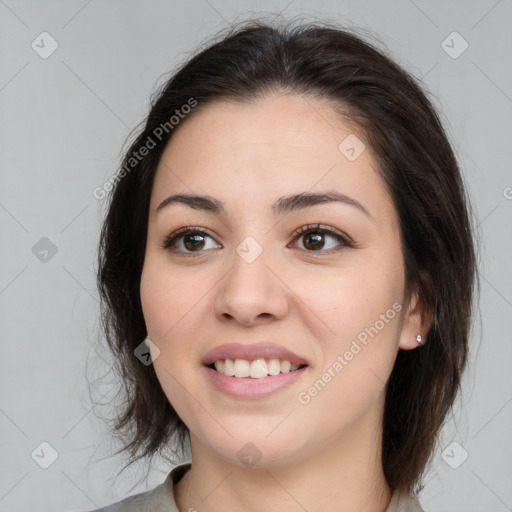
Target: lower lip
[[252, 388]]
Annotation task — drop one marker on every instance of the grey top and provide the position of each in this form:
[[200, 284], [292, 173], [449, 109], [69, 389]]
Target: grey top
[[161, 498]]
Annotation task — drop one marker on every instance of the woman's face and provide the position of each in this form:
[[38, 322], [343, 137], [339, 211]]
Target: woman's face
[[248, 287]]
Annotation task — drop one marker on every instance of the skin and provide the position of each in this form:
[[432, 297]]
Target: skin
[[315, 302]]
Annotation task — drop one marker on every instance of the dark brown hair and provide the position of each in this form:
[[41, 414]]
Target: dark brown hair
[[419, 168]]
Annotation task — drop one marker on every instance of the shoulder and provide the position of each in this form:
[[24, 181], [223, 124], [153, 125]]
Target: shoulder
[[402, 502], [158, 499], [161, 498]]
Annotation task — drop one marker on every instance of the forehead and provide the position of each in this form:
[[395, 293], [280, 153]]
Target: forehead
[[268, 148]]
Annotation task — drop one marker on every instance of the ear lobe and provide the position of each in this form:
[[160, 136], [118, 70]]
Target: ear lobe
[[416, 322]]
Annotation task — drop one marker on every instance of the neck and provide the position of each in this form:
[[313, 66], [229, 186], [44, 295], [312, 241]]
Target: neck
[[344, 475]]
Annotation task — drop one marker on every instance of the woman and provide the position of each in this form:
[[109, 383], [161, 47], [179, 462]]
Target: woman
[[288, 242]]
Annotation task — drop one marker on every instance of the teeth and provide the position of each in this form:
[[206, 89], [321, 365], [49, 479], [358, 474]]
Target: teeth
[[242, 368], [274, 367], [229, 367], [285, 366], [257, 369]]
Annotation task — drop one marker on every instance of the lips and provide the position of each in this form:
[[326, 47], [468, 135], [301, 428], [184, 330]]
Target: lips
[[251, 352]]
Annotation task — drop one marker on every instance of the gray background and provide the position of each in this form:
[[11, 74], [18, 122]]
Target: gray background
[[64, 120]]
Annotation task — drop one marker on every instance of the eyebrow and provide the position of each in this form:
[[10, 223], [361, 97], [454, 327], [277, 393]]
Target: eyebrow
[[282, 206]]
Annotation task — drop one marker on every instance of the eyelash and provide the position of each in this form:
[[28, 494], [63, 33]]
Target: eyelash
[[309, 228]]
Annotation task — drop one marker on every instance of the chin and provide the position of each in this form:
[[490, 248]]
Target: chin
[[256, 446]]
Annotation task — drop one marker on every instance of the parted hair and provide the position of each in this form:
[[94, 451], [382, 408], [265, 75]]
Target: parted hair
[[419, 168]]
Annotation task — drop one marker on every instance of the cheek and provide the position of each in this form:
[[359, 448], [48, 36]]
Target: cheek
[[362, 306], [358, 359], [355, 297], [167, 298], [174, 309], [165, 302]]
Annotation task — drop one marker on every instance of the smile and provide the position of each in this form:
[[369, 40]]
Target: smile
[[256, 369]]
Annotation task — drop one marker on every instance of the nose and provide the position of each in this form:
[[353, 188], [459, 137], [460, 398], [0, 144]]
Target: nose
[[251, 292]]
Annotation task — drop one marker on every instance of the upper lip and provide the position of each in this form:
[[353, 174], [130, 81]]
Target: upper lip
[[252, 351]]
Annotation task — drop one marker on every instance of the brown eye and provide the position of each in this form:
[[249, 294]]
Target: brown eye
[[313, 241], [186, 241], [193, 241], [316, 239]]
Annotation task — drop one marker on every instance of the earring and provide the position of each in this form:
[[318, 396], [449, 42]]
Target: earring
[[419, 338]]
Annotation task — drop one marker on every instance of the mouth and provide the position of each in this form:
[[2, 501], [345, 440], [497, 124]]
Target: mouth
[[254, 369]]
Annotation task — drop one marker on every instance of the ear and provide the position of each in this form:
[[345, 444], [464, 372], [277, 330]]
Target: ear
[[417, 320]]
